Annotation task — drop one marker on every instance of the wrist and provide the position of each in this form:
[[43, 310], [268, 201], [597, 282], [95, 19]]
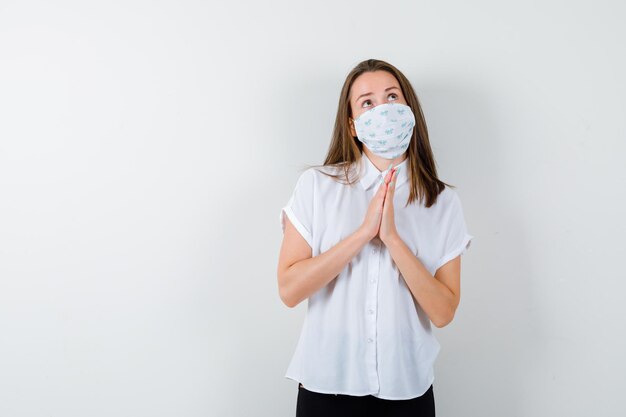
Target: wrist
[[362, 234], [392, 239]]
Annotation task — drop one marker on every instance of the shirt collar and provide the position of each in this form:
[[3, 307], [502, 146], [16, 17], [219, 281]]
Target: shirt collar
[[370, 174]]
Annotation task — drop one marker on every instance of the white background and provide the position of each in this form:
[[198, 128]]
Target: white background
[[146, 148]]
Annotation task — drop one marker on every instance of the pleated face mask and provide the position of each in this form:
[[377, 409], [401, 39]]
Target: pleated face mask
[[386, 129]]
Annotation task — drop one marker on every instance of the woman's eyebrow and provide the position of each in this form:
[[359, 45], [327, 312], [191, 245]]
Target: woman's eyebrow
[[367, 94]]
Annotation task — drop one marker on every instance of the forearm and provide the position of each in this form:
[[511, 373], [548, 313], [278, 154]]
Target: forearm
[[309, 275], [433, 296]]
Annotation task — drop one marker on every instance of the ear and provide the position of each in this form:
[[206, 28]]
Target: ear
[[352, 129]]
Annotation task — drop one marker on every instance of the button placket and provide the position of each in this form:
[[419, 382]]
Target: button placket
[[373, 265], [370, 308]]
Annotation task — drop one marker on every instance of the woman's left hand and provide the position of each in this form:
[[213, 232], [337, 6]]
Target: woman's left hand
[[387, 229]]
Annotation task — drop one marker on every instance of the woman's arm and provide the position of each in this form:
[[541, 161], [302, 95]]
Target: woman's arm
[[300, 275], [438, 296]]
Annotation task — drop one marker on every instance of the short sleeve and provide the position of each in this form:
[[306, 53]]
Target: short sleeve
[[455, 238], [299, 208]]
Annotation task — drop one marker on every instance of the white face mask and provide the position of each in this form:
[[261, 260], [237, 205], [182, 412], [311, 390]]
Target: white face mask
[[386, 129]]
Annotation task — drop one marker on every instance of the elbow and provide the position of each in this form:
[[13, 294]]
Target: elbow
[[288, 298], [443, 321], [285, 295]]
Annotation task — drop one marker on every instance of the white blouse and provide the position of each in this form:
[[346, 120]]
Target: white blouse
[[364, 333]]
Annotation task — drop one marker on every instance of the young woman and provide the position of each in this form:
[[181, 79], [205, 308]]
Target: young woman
[[372, 239]]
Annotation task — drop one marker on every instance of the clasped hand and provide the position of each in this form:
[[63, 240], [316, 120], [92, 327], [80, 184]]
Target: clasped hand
[[379, 220]]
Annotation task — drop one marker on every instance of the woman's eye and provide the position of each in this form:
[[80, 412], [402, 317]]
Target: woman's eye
[[364, 104]]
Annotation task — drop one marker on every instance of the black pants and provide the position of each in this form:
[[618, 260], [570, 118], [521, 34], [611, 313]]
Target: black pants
[[315, 404]]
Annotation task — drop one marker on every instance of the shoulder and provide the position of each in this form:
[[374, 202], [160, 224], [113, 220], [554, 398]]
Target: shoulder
[[310, 178], [305, 182], [322, 179], [321, 175], [447, 197], [307, 175], [448, 205]]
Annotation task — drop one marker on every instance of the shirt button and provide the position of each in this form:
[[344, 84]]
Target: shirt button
[[372, 280], [374, 250], [369, 339], [371, 311]]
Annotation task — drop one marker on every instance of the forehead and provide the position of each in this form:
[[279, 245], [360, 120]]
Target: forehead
[[372, 82]]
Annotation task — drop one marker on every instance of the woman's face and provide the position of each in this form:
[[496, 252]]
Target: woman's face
[[371, 89]]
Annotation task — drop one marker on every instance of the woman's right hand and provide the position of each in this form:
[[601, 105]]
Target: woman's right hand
[[373, 217]]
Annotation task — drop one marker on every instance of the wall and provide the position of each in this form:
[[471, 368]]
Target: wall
[[146, 149]]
